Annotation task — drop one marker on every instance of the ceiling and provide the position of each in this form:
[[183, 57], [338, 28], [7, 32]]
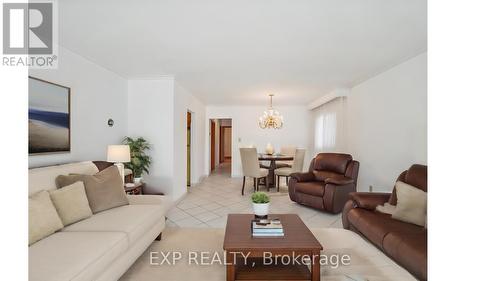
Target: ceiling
[[237, 51]]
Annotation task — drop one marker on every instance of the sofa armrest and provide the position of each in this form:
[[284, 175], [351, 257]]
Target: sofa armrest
[[303, 177], [349, 205], [339, 180], [164, 201], [369, 200]]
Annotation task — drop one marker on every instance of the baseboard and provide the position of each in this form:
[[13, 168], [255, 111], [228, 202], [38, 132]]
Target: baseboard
[[176, 201], [200, 179]]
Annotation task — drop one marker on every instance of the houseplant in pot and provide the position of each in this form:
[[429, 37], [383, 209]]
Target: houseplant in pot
[[260, 204], [139, 160]]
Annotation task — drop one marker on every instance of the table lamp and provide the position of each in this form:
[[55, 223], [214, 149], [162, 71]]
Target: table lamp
[[119, 154]]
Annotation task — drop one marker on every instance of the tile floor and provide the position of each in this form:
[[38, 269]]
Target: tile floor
[[208, 203]]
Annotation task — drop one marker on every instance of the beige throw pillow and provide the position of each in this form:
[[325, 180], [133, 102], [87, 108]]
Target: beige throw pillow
[[412, 204], [386, 209], [104, 189], [71, 203], [43, 218]]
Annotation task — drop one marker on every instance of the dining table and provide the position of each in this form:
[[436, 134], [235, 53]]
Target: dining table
[[272, 158]]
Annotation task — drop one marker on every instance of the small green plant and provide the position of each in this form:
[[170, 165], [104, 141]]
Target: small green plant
[[260, 198], [139, 160]]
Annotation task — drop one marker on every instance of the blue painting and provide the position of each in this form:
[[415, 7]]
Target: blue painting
[[49, 117]]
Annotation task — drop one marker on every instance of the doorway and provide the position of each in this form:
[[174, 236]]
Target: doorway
[[212, 144], [225, 144], [221, 145], [188, 141]]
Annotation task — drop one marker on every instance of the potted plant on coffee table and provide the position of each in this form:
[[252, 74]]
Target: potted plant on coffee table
[[260, 202], [139, 160]]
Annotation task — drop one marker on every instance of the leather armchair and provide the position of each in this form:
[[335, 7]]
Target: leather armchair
[[327, 184]]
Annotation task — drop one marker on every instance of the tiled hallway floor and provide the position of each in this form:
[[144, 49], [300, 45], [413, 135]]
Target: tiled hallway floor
[[208, 203]]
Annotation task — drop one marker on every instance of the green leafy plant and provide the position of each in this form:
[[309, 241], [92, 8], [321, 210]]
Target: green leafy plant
[[139, 160], [260, 198]]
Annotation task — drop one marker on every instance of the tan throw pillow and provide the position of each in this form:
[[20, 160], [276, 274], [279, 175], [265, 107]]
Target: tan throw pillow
[[71, 203], [104, 189], [412, 204], [43, 217]]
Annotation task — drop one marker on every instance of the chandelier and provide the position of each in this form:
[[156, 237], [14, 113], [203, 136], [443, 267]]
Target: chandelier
[[271, 118]]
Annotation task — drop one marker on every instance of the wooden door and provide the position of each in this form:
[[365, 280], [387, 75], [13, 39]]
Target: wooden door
[[224, 131], [188, 149], [212, 145]]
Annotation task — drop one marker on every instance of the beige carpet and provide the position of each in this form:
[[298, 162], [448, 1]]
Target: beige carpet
[[367, 262]]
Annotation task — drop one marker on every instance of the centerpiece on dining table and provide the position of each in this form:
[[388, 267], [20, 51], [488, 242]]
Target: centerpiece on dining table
[[269, 149]]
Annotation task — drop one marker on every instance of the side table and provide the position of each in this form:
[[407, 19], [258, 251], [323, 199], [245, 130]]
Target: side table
[[136, 189]]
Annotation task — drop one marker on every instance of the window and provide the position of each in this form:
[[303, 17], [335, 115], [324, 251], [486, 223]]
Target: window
[[325, 131]]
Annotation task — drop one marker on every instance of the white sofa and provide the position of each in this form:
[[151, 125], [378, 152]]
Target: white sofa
[[101, 247]]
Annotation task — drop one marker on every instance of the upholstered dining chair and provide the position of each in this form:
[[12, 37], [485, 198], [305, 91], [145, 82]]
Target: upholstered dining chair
[[288, 150], [251, 169], [297, 165]]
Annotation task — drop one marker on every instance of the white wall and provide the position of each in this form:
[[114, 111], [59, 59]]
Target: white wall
[[158, 112], [387, 123], [184, 101], [151, 115], [96, 95], [246, 131]]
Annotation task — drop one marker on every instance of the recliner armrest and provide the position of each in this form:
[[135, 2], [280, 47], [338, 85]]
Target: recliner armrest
[[339, 180], [303, 177], [369, 200]]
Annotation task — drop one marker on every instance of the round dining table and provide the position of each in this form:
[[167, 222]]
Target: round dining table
[[272, 158]]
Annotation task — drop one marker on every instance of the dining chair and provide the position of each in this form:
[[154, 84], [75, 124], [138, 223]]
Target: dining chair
[[251, 169], [297, 165], [288, 150]]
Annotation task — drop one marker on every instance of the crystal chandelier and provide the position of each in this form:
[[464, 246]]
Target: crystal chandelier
[[271, 118]]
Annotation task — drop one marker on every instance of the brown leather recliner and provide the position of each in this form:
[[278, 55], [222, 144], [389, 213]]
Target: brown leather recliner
[[405, 243], [331, 177]]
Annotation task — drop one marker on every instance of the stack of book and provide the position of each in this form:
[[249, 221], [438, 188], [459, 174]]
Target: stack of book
[[267, 228]]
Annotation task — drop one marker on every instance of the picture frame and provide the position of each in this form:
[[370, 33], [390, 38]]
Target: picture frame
[[49, 117]]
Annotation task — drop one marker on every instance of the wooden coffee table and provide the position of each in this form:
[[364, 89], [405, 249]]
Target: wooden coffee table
[[298, 241]]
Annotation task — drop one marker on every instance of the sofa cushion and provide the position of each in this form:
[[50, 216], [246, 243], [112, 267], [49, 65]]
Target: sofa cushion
[[335, 162], [164, 201], [74, 255], [134, 220], [375, 226], [323, 175], [71, 203], [338, 179], [45, 178], [410, 250], [315, 188], [104, 189], [43, 219]]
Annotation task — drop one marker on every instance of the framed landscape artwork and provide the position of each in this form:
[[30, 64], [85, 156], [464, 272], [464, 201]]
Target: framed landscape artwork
[[48, 117]]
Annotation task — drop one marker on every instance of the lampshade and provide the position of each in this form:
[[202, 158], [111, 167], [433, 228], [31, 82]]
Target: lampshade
[[118, 153]]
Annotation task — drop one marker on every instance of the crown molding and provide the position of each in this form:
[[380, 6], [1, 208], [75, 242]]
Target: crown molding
[[340, 92], [152, 77]]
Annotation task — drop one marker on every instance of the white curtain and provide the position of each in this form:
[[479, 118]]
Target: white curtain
[[329, 127]]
